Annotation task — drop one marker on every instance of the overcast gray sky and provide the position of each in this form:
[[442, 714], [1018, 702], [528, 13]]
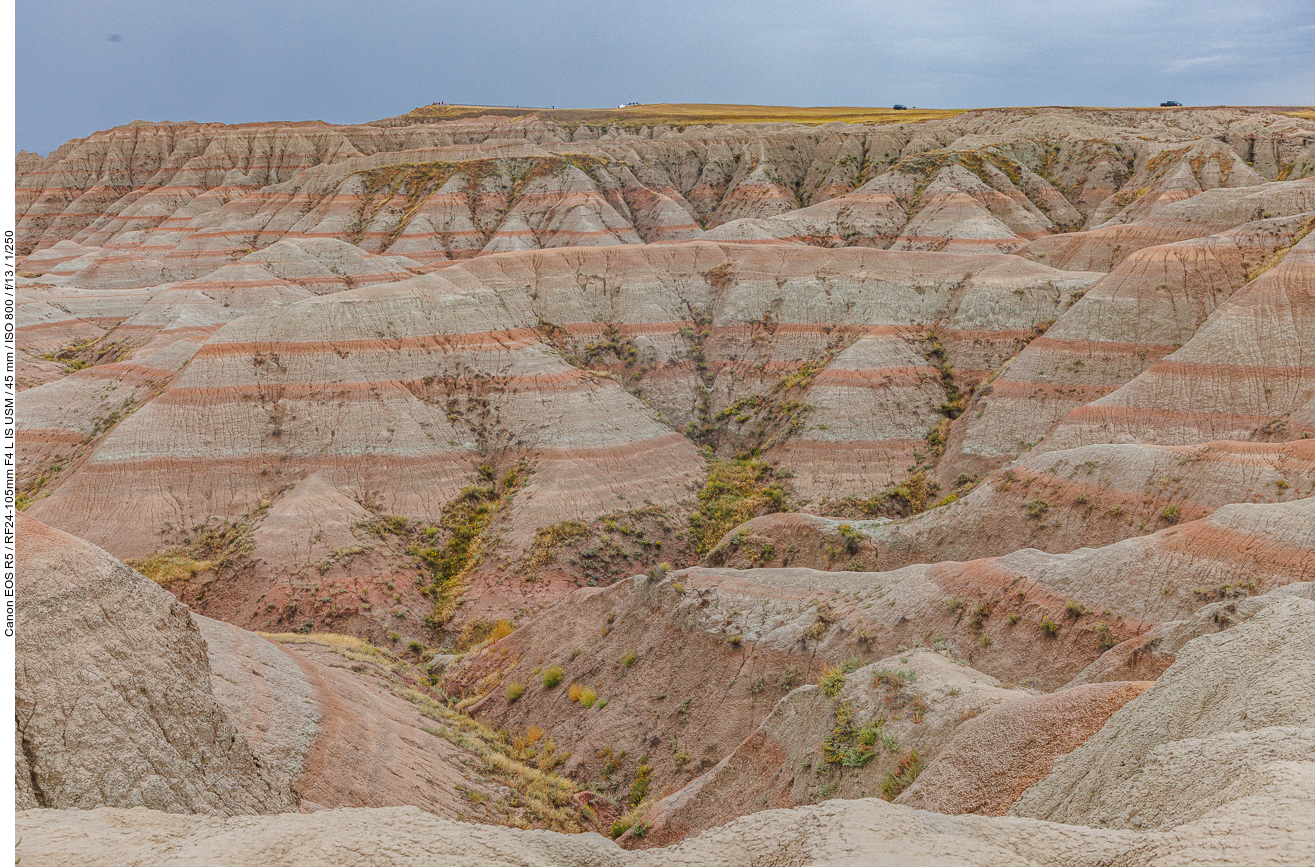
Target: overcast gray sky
[[84, 66]]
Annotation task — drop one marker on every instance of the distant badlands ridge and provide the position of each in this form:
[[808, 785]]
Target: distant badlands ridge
[[976, 443]]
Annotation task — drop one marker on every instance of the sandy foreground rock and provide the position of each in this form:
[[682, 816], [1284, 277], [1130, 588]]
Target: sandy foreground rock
[[1233, 704], [1271, 825]]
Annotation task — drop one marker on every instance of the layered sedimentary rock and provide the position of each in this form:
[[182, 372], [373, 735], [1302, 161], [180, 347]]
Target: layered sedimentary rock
[[1245, 374], [190, 194], [1151, 304], [875, 734], [387, 400], [1054, 501], [1018, 402], [990, 761]]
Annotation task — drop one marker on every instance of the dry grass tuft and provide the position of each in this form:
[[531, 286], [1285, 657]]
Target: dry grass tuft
[[170, 568]]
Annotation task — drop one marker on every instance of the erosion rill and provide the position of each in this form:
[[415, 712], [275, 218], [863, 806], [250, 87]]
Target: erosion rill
[[673, 484]]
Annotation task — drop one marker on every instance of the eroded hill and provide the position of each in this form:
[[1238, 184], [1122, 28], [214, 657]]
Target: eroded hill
[[639, 472]]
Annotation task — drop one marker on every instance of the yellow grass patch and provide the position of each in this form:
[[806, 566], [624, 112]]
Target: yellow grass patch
[[332, 640], [170, 568]]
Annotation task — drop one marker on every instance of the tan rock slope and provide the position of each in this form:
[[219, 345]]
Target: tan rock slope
[[1262, 818], [909, 734], [113, 697], [1194, 739]]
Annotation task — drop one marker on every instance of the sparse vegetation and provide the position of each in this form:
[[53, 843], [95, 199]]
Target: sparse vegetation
[[477, 633], [735, 492], [547, 540], [220, 547], [851, 746], [1105, 638], [910, 765], [526, 762], [1074, 609], [514, 691], [907, 498], [170, 568], [643, 781], [552, 676]]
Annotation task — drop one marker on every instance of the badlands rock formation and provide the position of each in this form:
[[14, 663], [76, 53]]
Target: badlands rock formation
[[644, 478]]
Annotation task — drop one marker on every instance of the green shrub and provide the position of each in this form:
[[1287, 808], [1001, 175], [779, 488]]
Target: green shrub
[[514, 691], [853, 538], [630, 658], [553, 675], [639, 789], [832, 680], [1105, 638]]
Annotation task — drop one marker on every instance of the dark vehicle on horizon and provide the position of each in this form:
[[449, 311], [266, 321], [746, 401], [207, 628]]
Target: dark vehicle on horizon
[[901, 108], [1170, 102]]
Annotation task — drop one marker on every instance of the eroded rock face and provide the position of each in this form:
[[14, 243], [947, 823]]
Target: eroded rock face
[[865, 734], [113, 694], [992, 760], [694, 663], [1232, 711], [282, 321], [125, 698]]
